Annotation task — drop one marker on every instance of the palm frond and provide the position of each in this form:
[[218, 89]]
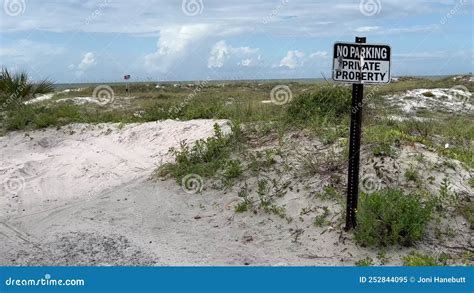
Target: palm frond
[[17, 88]]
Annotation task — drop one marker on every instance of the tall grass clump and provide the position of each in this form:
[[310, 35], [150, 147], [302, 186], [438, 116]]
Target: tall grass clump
[[390, 217], [327, 103]]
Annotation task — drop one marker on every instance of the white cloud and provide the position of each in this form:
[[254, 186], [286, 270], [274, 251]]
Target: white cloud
[[397, 30], [178, 38], [221, 52], [150, 17], [87, 61], [411, 29], [293, 59], [319, 54], [366, 29], [250, 61], [174, 43], [25, 50]]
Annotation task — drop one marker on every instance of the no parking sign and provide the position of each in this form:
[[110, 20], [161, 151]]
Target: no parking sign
[[358, 63], [361, 63]]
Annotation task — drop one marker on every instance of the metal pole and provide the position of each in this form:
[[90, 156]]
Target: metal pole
[[354, 150]]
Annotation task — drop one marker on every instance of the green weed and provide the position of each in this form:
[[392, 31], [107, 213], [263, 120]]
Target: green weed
[[418, 259], [390, 217], [365, 262]]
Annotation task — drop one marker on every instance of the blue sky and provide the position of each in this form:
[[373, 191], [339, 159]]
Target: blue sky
[[101, 40]]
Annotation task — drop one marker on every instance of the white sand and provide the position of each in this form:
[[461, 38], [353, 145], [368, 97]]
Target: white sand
[[445, 99], [143, 222], [81, 100], [39, 99], [81, 161]]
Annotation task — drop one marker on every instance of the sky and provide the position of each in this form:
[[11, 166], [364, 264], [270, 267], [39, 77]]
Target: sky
[[75, 41]]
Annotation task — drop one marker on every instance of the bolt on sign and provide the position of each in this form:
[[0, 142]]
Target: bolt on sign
[[361, 63]]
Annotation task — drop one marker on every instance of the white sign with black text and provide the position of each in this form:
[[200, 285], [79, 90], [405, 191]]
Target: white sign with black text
[[361, 63]]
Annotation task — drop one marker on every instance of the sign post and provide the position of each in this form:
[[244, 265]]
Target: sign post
[[358, 63]]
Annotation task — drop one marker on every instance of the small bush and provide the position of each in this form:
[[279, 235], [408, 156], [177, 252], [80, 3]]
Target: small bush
[[417, 128], [411, 174], [390, 217], [205, 158], [329, 102], [233, 169], [246, 203], [417, 259], [242, 206], [467, 211], [321, 219], [384, 149], [365, 262]]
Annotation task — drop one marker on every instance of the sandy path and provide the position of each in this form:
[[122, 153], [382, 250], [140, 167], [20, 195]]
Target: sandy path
[[156, 223]]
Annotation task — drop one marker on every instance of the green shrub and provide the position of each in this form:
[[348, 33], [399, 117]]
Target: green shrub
[[411, 174], [390, 217], [205, 158], [233, 169], [327, 103], [365, 262], [243, 206], [466, 209], [321, 219], [246, 203], [384, 149], [417, 259], [42, 117], [19, 118]]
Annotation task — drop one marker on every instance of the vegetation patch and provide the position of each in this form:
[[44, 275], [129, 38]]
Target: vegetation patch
[[417, 259], [327, 104], [321, 219], [466, 209], [205, 158], [365, 262], [390, 217]]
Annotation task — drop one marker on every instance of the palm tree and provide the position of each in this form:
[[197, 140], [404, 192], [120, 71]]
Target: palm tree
[[17, 88]]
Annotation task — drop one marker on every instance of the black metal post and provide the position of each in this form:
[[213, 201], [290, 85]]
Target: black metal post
[[354, 150]]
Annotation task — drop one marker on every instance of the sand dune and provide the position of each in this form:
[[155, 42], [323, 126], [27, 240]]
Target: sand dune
[[80, 161]]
